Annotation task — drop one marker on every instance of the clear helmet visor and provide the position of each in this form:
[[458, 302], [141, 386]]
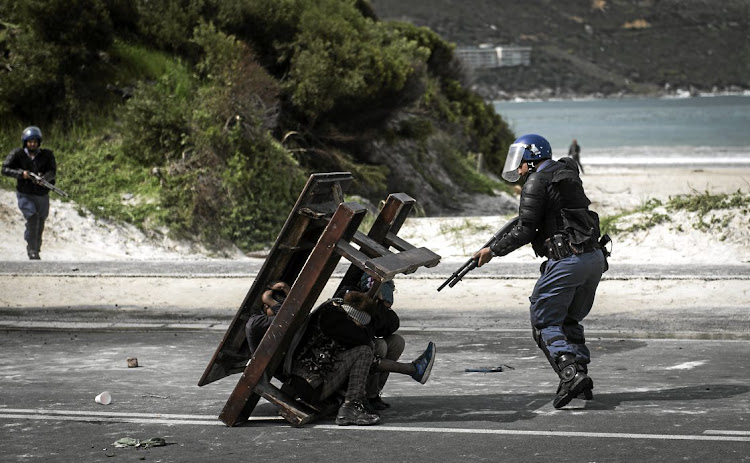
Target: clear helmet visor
[[513, 161]]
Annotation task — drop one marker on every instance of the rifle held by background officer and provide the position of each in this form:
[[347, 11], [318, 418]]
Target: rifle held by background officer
[[39, 180], [471, 264]]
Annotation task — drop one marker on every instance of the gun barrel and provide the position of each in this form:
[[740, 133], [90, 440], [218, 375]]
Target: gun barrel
[[458, 274], [472, 264], [445, 283]]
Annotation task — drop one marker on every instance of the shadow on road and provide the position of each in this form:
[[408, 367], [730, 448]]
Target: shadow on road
[[501, 408]]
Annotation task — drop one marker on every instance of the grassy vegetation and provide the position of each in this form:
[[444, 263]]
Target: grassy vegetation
[[206, 117], [707, 206]]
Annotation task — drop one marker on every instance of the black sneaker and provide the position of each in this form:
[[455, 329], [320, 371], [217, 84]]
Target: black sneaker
[[378, 404], [354, 412], [423, 364]]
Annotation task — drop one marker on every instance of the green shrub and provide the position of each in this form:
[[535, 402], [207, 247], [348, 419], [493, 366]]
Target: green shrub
[[343, 60], [168, 24], [48, 55], [237, 183], [156, 120]]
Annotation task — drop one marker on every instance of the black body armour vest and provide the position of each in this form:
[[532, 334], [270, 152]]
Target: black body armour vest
[[552, 202]]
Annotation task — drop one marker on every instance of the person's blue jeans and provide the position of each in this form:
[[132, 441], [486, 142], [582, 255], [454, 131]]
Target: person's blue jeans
[[562, 298], [35, 209]]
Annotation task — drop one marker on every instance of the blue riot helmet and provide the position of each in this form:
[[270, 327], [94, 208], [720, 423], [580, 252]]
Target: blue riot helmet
[[531, 148], [31, 132]]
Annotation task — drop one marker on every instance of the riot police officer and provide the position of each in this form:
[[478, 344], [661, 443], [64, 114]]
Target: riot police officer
[[554, 217], [33, 199]]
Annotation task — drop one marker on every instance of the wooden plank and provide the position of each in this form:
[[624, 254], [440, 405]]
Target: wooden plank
[[387, 267], [319, 199], [369, 246], [391, 239], [390, 218], [352, 254], [290, 409], [300, 300]]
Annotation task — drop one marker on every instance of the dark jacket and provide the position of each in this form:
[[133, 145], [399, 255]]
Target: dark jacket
[[337, 325], [256, 328], [385, 321], [43, 164], [552, 202]]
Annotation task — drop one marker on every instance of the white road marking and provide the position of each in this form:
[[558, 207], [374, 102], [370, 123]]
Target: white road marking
[[105, 413], [111, 419], [517, 432], [119, 417], [687, 365], [209, 420], [726, 433]]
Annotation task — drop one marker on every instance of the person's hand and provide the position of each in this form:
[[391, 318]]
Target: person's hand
[[484, 255], [267, 296], [26, 175]]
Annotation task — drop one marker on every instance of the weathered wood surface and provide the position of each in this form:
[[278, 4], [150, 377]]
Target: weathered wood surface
[[321, 229]]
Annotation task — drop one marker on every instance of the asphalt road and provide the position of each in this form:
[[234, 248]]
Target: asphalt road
[[657, 397], [655, 400]]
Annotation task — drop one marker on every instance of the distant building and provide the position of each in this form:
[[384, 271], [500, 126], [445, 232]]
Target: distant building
[[486, 56]]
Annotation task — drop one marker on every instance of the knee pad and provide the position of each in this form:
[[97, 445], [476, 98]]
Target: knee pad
[[567, 367]]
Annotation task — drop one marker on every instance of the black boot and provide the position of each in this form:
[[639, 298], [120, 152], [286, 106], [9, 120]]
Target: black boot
[[32, 253], [573, 381]]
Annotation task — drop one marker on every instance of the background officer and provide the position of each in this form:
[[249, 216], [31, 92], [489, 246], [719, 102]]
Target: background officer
[[33, 199]]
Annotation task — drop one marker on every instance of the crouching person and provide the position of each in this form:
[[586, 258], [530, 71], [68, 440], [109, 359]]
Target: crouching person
[[336, 350], [338, 347], [332, 353]]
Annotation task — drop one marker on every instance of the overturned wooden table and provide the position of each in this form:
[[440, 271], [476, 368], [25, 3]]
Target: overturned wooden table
[[320, 229]]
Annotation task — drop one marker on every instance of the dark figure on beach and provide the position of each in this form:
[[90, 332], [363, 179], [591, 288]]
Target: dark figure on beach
[[554, 217], [575, 152], [33, 198]]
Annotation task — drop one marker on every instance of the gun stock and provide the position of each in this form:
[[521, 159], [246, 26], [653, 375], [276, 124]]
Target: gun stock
[[471, 264], [43, 182]]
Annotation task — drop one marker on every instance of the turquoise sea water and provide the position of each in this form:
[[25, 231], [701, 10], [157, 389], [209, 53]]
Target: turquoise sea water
[[697, 131]]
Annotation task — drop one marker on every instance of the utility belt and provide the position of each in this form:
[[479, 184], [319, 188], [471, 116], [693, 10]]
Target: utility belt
[[559, 247]]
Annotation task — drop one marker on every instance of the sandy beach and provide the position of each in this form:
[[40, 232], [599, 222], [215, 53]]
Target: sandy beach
[[612, 192], [71, 236]]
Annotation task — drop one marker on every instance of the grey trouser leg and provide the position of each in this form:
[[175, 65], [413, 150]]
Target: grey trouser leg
[[35, 210], [391, 348]]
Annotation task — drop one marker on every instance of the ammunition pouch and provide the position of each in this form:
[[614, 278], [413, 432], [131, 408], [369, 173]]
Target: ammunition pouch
[[559, 247]]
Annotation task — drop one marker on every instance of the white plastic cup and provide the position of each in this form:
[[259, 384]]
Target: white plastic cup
[[104, 398]]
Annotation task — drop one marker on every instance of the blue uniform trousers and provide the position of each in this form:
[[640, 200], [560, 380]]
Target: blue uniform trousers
[[562, 297], [35, 209]]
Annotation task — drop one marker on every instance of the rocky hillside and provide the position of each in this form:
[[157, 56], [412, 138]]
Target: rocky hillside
[[596, 47]]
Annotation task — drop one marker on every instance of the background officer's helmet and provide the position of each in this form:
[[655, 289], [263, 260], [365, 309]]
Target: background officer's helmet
[[31, 132]]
